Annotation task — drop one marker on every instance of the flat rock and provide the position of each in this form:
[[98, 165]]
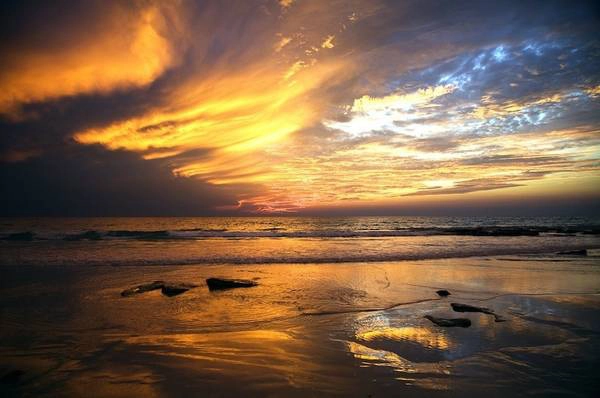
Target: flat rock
[[222, 284], [171, 290], [458, 307], [143, 288], [450, 322], [443, 293], [167, 288]]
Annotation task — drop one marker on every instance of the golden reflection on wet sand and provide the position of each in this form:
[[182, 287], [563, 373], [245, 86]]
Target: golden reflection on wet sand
[[421, 335], [424, 374], [260, 341], [115, 382], [262, 357]]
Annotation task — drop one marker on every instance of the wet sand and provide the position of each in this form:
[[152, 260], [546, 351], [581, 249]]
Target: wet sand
[[306, 330]]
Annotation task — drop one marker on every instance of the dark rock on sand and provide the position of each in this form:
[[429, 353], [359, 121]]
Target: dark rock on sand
[[458, 307], [143, 288], [166, 288], [443, 293], [171, 290], [12, 377], [25, 236], [222, 284], [573, 253], [450, 322]]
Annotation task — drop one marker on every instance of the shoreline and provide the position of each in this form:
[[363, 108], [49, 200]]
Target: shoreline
[[541, 255]]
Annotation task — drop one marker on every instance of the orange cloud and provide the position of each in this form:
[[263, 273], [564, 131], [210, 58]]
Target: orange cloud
[[131, 49], [234, 115]]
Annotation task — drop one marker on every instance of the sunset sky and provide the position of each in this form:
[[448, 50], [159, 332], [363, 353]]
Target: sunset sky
[[309, 107]]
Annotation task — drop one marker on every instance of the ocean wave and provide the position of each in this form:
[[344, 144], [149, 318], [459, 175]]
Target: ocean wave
[[138, 234], [524, 254], [278, 232]]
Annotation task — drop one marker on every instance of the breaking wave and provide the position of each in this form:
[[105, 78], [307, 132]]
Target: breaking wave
[[322, 233]]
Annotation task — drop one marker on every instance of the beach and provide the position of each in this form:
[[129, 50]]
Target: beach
[[285, 198], [329, 329]]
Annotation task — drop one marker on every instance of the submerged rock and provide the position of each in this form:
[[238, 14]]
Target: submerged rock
[[143, 288], [458, 307], [574, 253], [443, 293], [450, 322], [222, 284], [171, 290]]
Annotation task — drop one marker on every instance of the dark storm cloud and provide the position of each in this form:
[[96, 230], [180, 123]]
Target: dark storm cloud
[[54, 122], [90, 180]]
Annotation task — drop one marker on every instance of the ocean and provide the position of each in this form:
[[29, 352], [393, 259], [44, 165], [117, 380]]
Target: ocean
[[256, 240]]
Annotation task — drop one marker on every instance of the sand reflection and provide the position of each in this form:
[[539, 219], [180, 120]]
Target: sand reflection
[[223, 346], [260, 341], [421, 335], [275, 358], [430, 375]]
